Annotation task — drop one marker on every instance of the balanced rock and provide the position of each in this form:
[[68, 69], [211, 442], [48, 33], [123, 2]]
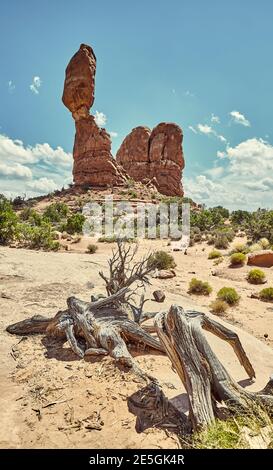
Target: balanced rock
[[79, 85], [155, 155], [93, 162], [263, 259]]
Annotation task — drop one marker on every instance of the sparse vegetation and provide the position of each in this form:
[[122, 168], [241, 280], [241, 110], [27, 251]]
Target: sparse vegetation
[[8, 221], [219, 307], [229, 295], [264, 243], [256, 276], [74, 224], [267, 294], [237, 259], [56, 212], [221, 242], [214, 254], [199, 287], [161, 260], [239, 248], [36, 237], [91, 248], [108, 239]]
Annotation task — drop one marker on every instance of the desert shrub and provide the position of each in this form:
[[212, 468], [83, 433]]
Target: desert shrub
[[42, 236], [237, 259], [31, 216], [108, 239], [56, 211], [211, 240], [267, 294], [199, 287], [214, 254], [92, 248], [264, 243], [240, 217], [229, 295], [161, 260], [132, 194], [219, 307], [8, 221], [74, 224], [254, 247], [256, 276], [239, 248], [221, 242]]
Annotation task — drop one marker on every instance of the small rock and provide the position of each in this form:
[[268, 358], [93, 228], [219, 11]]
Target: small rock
[[265, 335], [159, 296], [164, 274]]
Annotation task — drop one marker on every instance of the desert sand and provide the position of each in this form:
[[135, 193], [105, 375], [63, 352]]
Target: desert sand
[[48, 395]]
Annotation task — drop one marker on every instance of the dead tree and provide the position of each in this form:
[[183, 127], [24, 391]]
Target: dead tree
[[93, 329], [124, 271], [207, 382]]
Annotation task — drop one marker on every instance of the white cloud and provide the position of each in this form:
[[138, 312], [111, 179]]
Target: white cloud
[[215, 172], [205, 129], [244, 182], [208, 130], [32, 170], [215, 119], [35, 85], [113, 134], [11, 86], [42, 185], [100, 118], [239, 118], [193, 129], [15, 151], [15, 170]]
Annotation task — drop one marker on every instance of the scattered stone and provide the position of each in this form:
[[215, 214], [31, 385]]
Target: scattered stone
[[263, 259], [166, 274], [159, 296]]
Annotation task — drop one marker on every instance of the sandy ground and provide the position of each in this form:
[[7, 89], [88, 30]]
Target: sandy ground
[[40, 372]]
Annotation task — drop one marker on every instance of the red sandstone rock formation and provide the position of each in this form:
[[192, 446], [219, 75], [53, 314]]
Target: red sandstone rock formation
[[156, 155], [263, 259], [93, 162]]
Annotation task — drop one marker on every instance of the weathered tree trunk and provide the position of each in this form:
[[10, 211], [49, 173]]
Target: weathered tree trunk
[[102, 324], [205, 379]]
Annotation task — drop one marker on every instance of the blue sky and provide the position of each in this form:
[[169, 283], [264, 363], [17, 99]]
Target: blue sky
[[204, 65]]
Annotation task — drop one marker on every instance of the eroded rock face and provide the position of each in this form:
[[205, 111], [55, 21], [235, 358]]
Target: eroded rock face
[[79, 85], [93, 162], [157, 155], [133, 154]]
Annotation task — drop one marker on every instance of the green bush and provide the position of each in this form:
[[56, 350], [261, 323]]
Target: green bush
[[267, 294], [92, 248], [229, 295], [256, 276], [42, 236], [161, 260], [30, 215], [8, 221], [219, 307], [221, 242], [237, 259], [74, 224], [56, 212], [199, 287], [214, 254]]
